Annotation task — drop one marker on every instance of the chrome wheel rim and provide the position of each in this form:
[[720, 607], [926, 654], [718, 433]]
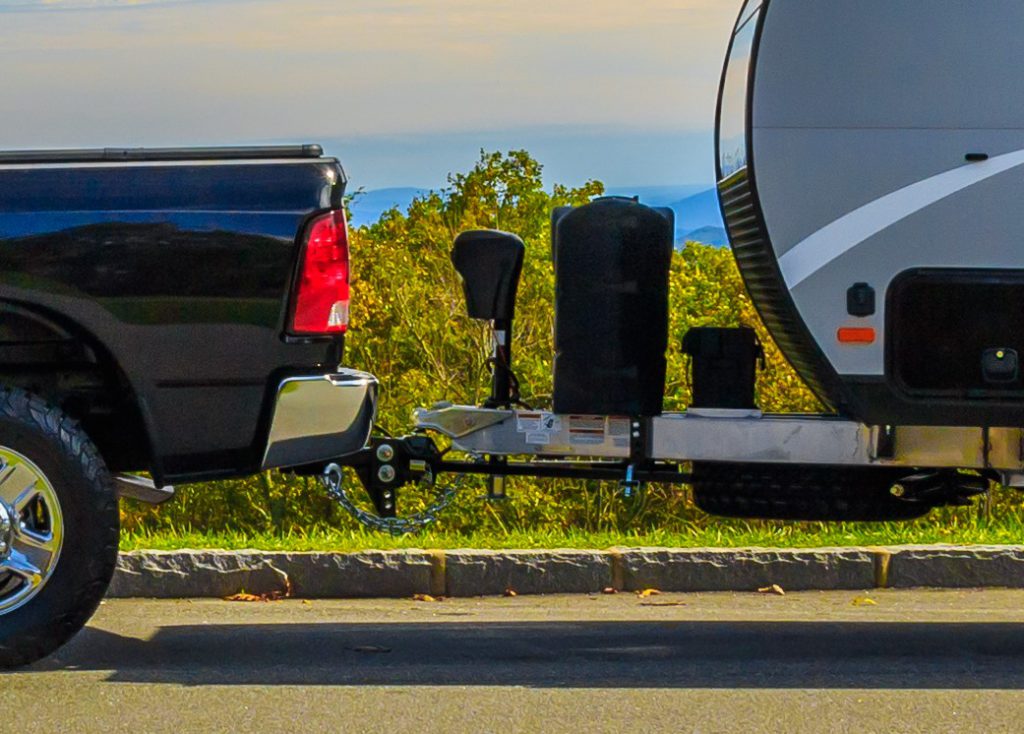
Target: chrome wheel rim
[[31, 530]]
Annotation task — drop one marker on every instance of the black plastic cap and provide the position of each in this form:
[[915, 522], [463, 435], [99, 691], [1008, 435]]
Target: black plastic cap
[[490, 263], [1000, 366], [860, 300]]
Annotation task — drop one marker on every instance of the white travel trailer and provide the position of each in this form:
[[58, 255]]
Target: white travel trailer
[[871, 174], [871, 169]]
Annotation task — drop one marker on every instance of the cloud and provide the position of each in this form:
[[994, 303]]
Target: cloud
[[30, 6], [220, 71]]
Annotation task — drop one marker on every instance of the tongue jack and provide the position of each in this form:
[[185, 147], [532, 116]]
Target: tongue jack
[[490, 263]]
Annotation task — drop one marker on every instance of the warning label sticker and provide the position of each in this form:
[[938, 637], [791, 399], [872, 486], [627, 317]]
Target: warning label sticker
[[538, 439], [587, 430], [618, 427], [538, 423], [618, 431], [587, 423]]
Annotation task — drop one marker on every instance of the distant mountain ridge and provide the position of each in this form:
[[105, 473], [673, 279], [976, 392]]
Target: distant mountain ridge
[[368, 206], [699, 213], [696, 208], [657, 195], [714, 236]]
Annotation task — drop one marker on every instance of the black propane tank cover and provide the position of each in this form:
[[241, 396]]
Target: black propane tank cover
[[723, 367], [490, 263], [612, 260]]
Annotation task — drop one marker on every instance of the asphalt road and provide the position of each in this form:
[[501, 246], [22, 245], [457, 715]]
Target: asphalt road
[[941, 661]]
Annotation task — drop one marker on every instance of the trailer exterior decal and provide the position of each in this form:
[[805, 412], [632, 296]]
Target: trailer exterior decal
[[850, 230]]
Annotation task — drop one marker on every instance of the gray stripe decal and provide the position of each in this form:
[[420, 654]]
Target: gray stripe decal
[[842, 235]]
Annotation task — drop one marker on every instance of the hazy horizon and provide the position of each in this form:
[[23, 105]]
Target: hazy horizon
[[403, 91]]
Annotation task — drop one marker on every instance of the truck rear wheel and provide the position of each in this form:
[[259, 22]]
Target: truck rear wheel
[[58, 528]]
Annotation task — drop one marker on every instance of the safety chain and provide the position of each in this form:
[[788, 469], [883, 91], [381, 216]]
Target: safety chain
[[334, 481]]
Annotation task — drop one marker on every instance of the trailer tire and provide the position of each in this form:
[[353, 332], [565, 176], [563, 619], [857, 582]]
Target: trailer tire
[[810, 493], [63, 524]]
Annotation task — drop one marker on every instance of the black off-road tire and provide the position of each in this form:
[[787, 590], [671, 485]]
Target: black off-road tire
[[60, 449], [809, 493]]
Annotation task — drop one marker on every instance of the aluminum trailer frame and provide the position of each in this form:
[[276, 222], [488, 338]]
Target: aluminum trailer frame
[[724, 436]]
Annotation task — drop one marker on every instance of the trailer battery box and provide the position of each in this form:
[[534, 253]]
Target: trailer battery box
[[723, 367]]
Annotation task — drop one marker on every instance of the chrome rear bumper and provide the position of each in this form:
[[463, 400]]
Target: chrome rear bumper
[[320, 418]]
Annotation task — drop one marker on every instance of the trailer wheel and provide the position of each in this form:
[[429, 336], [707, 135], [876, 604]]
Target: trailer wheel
[[58, 528], [811, 493]]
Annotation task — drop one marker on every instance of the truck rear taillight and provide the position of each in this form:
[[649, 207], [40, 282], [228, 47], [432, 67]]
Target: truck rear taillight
[[322, 298]]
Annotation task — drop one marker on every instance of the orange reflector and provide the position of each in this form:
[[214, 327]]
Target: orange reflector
[[857, 336]]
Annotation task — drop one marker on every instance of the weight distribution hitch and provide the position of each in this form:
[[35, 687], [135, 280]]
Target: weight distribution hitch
[[388, 464]]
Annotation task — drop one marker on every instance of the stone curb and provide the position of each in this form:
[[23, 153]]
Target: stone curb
[[462, 573], [216, 574]]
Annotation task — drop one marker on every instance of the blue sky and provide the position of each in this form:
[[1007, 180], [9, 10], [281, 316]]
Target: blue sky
[[403, 91]]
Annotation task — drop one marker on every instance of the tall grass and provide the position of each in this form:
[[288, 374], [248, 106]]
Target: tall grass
[[287, 514]]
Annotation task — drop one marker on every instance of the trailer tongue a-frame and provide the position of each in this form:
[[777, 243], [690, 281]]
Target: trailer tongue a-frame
[[870, 167]]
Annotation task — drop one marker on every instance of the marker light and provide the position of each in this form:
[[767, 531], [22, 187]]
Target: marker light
[[857, 336]]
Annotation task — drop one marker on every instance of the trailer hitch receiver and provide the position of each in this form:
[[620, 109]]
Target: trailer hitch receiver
[[384, 466]]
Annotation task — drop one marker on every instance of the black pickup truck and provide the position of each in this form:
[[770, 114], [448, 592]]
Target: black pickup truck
[[179, 312]]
